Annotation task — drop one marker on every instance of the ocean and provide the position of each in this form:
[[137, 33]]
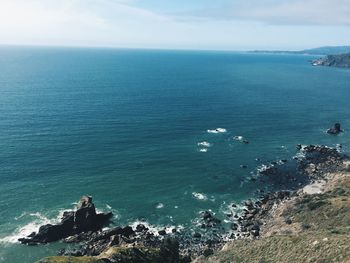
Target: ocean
[[152, 135]]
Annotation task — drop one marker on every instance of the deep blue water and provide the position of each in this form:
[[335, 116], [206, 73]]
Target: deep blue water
[[123, 126]]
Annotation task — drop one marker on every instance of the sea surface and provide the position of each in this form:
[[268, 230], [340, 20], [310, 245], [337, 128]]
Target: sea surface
[[138, 130]]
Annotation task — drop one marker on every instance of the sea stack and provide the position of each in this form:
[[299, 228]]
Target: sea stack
[[84, 219]]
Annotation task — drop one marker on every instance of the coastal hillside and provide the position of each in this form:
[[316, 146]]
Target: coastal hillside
[[313, 227], [310, 224], [342, 60]]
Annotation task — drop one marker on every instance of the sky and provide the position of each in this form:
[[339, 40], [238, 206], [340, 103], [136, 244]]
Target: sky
[[177, 24]]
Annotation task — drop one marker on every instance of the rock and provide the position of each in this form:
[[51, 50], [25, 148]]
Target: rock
[[234, 226], [254, 233], [208, 252], [197, 235], [347, 166], [288, 220], [243, 166], [141, 228], [336, 129], [210, 219], [84, 219], [162, 232], [248, 203], [169, 251]]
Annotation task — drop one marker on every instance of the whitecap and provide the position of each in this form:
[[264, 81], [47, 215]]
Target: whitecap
[[204, 144], [238, 138], [203, 150], [199, 196], [108, 206], [160, 206], [217, 130]]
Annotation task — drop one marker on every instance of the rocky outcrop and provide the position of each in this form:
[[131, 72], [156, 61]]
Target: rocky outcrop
[[336, 129], [342, 60], [83, 219]]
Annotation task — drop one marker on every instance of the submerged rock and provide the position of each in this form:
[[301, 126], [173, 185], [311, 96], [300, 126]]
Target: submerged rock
[[83, 219]]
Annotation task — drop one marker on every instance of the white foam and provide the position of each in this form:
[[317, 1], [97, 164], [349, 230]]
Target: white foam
[[203, 150], [264, 167], [217, 130], [238, 138], [199, 196], [155, 229], [204, 144], [29, 228], [108, 206], [160, 206]]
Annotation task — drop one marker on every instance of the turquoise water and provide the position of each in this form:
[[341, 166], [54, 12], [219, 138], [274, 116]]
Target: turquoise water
[[123, 126]]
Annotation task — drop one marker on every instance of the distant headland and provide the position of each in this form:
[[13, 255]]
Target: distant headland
[[341, 60], [329, 50]]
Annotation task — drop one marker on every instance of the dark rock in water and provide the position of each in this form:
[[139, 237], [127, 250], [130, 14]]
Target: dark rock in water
[[162, 232], [299, 146], [245, 141], [210, 219], [243, 166], [248, 203], [336, 129], [197, 235], [83, 219], [141, 228]]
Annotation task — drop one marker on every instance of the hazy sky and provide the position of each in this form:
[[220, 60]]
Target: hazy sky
[[189, 24]]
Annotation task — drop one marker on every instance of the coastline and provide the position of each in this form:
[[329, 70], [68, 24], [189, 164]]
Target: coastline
[[312, 226], [257, 221]]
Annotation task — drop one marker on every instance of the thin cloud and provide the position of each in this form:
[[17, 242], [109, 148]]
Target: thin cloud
[[281, 12]]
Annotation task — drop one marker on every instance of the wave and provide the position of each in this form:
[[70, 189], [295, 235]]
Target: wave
[[238, 138], [217, 130], [199, 196], [160, 206], [203, 150], [204, 144], [32, 226]]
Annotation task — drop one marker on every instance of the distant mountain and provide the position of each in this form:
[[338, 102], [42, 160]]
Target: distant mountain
[[336, 50], [342, 60]]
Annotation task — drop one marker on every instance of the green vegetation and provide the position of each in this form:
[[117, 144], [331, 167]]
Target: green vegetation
[[324, 236]]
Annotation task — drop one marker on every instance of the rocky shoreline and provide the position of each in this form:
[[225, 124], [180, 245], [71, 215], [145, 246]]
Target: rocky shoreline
[[340, 60], [84, 226]]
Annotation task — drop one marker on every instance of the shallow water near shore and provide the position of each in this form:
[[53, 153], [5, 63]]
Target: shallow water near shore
[[150, 134]]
